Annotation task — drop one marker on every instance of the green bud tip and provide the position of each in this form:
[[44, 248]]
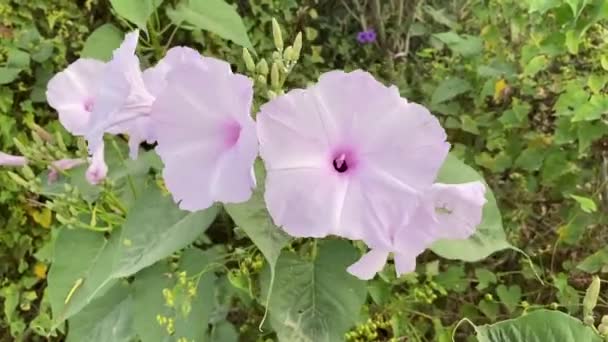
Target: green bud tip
[[277, 35], [274, 76], [249, 63], [297, 45], [262, 67]]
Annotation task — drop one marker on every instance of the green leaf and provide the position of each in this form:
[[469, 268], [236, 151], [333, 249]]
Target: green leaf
[[571, 100], [449, 89], [8, 75], [604, 62], [108, 318], [572, 41], [215, 16], [253, 218], [224, 332], [154, 229], [149, 302], [535, 65], [597, 82], [542, 6], [592, 109], [464, 45], [79, 272], [136, 11], [509, 296], [596, 262], [587, 204], [589, 131], [453, 279], [531, 159], [489, 308], [315, 300], [538, 326], [567, 295], [102, 42], [485, 277], [18, 59], [489, 237], [469, 124]]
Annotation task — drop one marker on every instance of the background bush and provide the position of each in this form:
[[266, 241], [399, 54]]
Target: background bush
[[520, 87]]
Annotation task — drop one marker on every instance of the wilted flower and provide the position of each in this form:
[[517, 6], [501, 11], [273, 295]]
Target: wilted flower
[[12, 160], [343, 149], [446, 211], [206, 136]]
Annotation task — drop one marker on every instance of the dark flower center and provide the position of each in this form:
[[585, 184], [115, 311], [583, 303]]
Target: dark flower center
[[340, 164]]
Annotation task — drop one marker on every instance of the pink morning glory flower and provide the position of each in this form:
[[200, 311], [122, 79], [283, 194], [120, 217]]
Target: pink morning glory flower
[[447, 211], [206, 136], [339, 151], [12, 160], [93, 98], [123, 101]]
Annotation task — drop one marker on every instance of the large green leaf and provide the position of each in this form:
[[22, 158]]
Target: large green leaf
[[154, 229], [253, 217], [315, 300], [85, 264], [81, 271], [538, 326], [149, 301], [215, 16], [108, 318], [489, 237], [102, 42], [136, 11]]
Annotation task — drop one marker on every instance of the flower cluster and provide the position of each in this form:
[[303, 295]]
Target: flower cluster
[[347, 156]]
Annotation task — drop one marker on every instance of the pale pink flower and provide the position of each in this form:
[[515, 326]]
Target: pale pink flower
[[12, 160], [339, 151], [93, 98], [447, 211], [206, 136], [123, 101], [72, 94]]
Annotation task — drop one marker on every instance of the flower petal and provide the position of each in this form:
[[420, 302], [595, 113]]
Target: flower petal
[[155, 77], [458, 208], [206, 137], [71, 93], [369, 264]]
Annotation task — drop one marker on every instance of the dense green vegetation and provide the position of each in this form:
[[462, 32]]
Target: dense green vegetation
[[520, 86]]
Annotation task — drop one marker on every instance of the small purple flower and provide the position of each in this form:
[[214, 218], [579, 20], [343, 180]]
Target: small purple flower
[[366, 37]]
